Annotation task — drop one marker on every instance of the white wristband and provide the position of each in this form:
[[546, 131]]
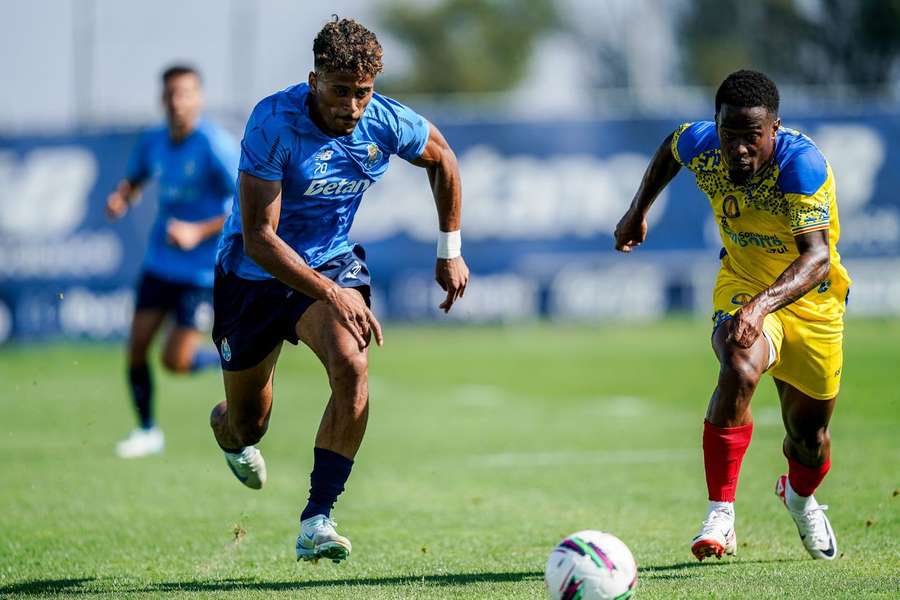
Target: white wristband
[[449, 244]]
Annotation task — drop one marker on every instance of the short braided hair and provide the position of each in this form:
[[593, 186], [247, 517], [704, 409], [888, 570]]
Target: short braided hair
[[746, 89], [345, 46]]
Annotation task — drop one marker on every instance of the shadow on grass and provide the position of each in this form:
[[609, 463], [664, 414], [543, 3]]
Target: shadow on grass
[[39, 587], [94, 586], [684, 569]]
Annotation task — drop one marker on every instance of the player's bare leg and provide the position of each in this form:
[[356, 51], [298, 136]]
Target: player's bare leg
[[241, 420], [726, 436], [807, 446], [739, 372], [179, 350], [344, 422], [146, 439], [340, 432], [184, 353]]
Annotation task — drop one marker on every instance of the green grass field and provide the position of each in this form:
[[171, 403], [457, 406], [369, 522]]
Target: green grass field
[[485, 447]]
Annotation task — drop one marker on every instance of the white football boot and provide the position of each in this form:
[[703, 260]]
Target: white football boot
[[141, 442], [716, 536], [318, 539], [248, 466], [812, 524]]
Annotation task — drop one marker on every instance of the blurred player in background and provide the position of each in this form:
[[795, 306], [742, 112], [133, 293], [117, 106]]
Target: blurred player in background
[[285, 269], [779, 298], [194, 164]]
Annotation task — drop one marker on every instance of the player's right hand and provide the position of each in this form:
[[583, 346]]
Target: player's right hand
[[352, 312], [748, 325], [116, 205], [631, 231], [453, 276]]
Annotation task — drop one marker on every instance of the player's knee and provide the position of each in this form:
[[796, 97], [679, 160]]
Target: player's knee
[[740, 371], [175, 363], [349, 368], [216, 416]]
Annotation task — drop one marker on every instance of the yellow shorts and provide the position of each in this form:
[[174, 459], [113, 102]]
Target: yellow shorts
[[808, 354]]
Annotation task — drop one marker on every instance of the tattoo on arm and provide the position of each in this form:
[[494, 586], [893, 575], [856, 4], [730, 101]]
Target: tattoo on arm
[[806, 272]]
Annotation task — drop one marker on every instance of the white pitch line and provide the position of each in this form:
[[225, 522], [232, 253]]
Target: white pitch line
[[480, 396], [620, 406]]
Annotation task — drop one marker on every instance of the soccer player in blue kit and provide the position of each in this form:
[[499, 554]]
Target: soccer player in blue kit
[[194, 164], [285, 269]]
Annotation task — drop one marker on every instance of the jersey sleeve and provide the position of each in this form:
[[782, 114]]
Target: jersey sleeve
[[409, 130], [264, 149], [691, 139], [138, 168], [225, 157], [806, 183]]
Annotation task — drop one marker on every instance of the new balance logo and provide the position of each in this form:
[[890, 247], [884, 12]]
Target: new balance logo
[[324, 187], [353, 271]]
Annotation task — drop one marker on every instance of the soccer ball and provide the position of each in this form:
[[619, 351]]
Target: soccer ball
[[591, 565]]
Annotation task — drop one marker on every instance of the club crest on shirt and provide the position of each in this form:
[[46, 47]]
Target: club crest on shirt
[[730, 207], [190, 168], [374, 155], [225, 349]]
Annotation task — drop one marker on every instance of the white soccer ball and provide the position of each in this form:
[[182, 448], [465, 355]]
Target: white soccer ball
[[591, 565]]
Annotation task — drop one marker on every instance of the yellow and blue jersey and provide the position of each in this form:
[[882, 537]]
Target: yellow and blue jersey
[[759, 219]]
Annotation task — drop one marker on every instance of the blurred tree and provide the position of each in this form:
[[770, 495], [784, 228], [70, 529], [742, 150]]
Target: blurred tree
[[820, 42], [466, 45]]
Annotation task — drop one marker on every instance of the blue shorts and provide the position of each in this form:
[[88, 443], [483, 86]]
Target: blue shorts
[[190, 304], [254, 316]]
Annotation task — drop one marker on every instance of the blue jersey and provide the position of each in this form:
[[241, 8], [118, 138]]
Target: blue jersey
[[195, 177], [322, 177]]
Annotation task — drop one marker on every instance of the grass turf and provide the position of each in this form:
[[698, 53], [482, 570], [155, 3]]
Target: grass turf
[[485, 447]]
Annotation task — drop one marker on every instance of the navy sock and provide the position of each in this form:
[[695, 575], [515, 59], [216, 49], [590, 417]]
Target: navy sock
[[204, 358], [329, 474], [142, 393]]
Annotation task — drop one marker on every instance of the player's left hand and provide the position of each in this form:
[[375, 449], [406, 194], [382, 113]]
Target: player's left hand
[[452, 275], [748, 324], [183, 234]]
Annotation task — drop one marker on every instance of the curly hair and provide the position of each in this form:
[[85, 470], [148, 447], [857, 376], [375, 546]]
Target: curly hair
[[345, 46], [747, 89]]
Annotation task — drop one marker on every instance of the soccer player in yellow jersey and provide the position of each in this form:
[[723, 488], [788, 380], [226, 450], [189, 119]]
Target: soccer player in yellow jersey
[[779, 298]]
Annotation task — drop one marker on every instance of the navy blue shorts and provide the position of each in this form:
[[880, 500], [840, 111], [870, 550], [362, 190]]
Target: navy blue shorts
[[190, 304], [254, 316]]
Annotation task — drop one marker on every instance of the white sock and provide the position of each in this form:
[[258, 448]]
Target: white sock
[[721, 506], [796, 502]]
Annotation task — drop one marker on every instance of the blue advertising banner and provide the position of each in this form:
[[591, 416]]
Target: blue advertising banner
[[540, 203]]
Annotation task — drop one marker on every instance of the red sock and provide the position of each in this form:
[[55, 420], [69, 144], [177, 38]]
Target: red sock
[[723, 453], [804, 480]]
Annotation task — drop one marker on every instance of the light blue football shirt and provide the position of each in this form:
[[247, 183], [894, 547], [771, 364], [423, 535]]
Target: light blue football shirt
[[196, 180], [322, 177]]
